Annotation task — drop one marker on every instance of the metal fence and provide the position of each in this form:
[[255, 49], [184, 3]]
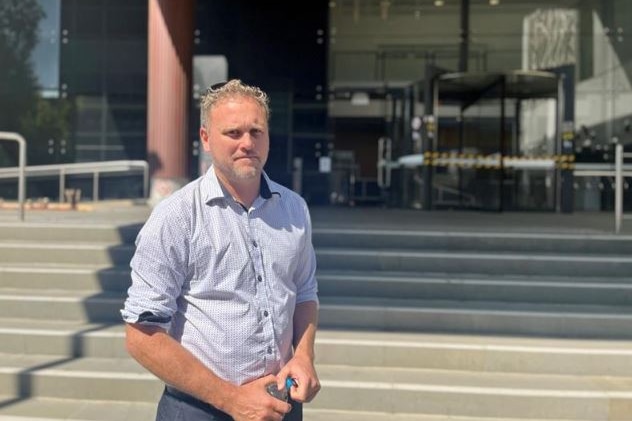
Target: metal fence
[[96, 169]]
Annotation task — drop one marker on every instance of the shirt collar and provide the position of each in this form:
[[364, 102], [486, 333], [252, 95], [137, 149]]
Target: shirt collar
[[214, 190]]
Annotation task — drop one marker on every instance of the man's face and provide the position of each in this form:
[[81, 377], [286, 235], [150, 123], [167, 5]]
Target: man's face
[[237, 139]]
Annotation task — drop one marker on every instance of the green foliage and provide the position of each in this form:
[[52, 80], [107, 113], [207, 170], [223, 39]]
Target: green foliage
[[18, 36], [21, 108], [49, 120]]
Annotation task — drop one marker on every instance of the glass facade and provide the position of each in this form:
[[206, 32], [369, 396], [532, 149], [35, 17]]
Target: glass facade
[[45, 55], [378, 47], [345, 75], [104, 76]]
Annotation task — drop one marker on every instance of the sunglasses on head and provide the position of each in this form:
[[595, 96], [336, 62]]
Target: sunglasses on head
[[216, 86]]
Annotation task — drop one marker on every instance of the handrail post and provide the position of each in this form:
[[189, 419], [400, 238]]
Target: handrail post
[[21, 168], [145, 180], [95, 186], [618, 185], [62, 184]]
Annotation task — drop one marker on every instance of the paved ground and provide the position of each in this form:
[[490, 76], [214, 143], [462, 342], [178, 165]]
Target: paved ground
[[363, 217]]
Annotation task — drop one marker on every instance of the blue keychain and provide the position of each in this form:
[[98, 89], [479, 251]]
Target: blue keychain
[[284, 393]]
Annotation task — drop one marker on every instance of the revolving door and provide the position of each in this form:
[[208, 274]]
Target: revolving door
[[496, 141]]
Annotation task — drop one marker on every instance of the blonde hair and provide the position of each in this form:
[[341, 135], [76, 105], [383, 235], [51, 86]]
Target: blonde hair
[[230, 89]]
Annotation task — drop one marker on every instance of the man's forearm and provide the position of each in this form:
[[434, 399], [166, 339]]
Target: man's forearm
[[305, 324], [301, 366], [159, 353]]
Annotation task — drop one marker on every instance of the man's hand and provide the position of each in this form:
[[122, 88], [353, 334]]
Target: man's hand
[[302, 371], [251, 402]]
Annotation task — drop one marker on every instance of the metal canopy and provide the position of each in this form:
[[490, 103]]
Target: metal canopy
[[518, 84]]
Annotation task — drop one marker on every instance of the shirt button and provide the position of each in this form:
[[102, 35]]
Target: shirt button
[[254, 243], [269, 350], [265, 313], [259, 278]]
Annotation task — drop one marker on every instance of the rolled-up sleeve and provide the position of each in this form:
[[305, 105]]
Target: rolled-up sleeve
[[158, 270], [307, 285]]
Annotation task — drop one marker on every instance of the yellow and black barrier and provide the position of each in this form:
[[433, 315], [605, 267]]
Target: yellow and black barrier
[[496, 161]]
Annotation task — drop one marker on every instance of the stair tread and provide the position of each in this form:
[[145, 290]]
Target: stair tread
[[381, 378], [68, 245], [124, 367], [491, 307], [59, 295], [470, 381], [395, 304], [408, 231], [59, 327], [465, 341], [50, 409], [369, 275], [491, 279], [328, 415], [486, 254], [363, 337], [60, 267], [44, 409]]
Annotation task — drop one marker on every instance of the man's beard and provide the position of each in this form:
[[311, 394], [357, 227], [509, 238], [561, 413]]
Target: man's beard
[[242, 172]]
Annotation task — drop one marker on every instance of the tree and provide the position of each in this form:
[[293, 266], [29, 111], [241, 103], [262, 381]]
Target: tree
[[22, 109], [19, 20]]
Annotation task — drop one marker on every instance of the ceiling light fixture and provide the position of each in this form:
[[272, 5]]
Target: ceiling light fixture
[[438, 3], [360, 98], [494, 2]]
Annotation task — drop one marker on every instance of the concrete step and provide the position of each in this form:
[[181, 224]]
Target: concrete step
[[475, 353], [442, 286], [84, 253], [78, 306], [73, 277], [386, 390], [15, 408], [379, 349], [401, 259], [496, 318], [63, 339], [66, 343], [470, 394], [562, 320], [116, 379], [311, 414], [69, 232], [351, 238], [323, 236], [530, 264], [557, 243], [48, 409], [473, 287]]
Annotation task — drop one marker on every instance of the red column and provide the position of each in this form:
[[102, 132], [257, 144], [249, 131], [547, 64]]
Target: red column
[[170, 57]]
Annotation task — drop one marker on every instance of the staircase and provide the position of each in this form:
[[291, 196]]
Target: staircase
[[416, 325]]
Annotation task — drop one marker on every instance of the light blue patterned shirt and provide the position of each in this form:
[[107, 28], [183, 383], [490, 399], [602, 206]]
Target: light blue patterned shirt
[[223, 280]]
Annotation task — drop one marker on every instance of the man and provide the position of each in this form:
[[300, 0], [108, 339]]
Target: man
[[223, 296]]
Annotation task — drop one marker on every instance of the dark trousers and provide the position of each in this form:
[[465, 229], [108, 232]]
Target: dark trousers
[[179, 406]]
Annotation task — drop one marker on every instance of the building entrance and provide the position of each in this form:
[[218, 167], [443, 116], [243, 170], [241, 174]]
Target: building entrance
[[490, 141]]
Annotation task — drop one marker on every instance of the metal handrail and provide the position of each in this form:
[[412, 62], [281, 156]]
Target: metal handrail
[[618, 170], [94, 168], [16, 137], [618, 195]]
